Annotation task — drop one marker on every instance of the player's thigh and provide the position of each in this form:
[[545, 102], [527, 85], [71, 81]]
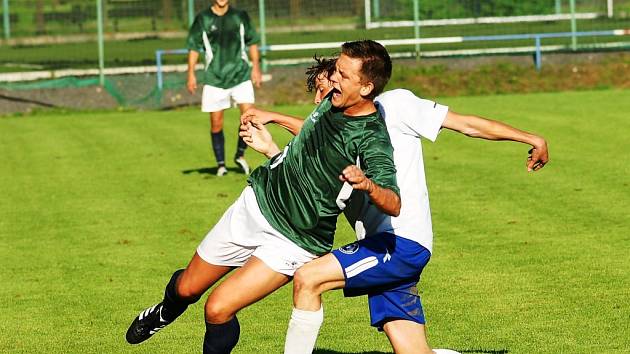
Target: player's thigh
[[320, 275], [245, 286], [243, 107], [407, 337], [199, 276], [243, 93]]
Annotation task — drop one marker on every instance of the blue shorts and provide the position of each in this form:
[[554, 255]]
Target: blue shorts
[[387, 268]]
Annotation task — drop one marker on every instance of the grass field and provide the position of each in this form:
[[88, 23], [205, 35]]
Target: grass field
[[98, 209]]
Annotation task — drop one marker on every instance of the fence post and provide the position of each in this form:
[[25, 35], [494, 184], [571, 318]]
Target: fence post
[[6, 19], [191, 12], [538, 54], [558, 7], [416, 25], [263, 35], [377, 8], [101, 45], [368, 14], [610, 8], [158, 64], [573, 26]]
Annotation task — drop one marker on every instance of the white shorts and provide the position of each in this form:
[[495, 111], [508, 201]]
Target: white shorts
[[243, 232], [214, 99]]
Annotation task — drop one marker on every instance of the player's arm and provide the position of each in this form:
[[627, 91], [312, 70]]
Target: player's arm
[[254, 57], [257, 137], [483, 128], [191, 83], [383, 198], [377, 175], [255, 115]]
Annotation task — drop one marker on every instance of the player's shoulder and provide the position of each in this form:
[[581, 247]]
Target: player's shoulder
[[238, 12], [375, 125], [396, 96]]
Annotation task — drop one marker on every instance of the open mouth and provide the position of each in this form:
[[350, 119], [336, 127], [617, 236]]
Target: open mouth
[[336, 93]]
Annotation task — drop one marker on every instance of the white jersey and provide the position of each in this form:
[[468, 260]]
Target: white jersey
[[407, 118]]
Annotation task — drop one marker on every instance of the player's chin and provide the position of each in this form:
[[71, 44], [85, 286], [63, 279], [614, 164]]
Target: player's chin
[[337, 101]]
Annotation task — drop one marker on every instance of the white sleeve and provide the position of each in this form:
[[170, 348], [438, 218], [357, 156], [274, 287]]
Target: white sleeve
[[413, 115]]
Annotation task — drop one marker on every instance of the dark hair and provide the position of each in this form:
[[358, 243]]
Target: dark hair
[[322, 65], [376, 65]]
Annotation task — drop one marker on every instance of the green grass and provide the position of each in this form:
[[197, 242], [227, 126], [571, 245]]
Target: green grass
[[99, 208]]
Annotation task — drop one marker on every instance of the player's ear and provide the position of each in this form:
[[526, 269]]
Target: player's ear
[[366, 88]]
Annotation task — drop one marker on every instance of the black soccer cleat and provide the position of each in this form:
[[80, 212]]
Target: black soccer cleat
[[148, 323]]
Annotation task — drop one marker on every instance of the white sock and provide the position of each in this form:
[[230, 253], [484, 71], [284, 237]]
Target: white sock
[[303, 329]]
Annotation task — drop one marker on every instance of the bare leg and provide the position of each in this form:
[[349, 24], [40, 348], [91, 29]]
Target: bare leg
[[241, 146], [216, 121], [246, 285], [407, 337], [315, 278], [245, 106], [198, 277], [309, 282]]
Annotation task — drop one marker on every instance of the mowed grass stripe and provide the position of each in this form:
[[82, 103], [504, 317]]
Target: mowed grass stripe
[[100, 208]]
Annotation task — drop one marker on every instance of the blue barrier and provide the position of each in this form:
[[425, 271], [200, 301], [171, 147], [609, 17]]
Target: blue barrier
[[538, 37]]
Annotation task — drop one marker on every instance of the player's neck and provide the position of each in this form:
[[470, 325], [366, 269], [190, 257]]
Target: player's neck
[[362, 108], [220, 10]]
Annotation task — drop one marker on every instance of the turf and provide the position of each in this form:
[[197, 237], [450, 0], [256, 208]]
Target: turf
[[98, 209]]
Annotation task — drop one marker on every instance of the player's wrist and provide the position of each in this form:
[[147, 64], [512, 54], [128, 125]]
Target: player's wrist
[[370, 186]]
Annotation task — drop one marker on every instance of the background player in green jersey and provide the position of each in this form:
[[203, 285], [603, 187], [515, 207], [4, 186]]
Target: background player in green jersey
[[287, 216], [224, 34]]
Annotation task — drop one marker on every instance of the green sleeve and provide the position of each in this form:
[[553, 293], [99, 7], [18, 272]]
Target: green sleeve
[[377, 157], [251, 36], [194, 40]]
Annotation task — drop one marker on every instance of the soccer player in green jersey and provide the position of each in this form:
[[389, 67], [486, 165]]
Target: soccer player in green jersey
[[386, 263], [224, 34], [287, 215]]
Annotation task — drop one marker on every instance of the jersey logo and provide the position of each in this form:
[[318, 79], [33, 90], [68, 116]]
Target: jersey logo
[[313, 117], [213, 28], [350, 249], [387, 256]]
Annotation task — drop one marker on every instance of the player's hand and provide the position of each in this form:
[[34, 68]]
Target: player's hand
[[256, 76], [357, 179], [538, 156], [191, 84], [255, 115], [258, 138]]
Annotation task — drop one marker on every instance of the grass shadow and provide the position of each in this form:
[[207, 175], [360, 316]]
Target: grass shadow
[[328, 351], [210, 171], [486, 351]]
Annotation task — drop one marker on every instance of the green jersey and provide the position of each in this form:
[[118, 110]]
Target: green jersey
[[297, 190], [224, 41]]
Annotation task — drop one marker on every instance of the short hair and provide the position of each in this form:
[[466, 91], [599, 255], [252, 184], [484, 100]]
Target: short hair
[[376, 64], [322, 66]]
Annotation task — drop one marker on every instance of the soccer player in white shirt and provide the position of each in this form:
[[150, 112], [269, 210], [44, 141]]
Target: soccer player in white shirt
[[387, 264]]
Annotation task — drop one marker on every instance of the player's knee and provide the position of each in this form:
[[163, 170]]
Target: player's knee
[[304, 282], [187, 290], [217, 312], [216, 124]]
